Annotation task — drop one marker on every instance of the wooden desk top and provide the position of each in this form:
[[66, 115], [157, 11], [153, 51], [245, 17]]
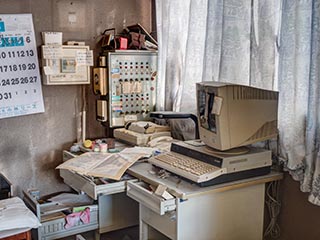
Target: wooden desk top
[[184, 190], [21, 236]]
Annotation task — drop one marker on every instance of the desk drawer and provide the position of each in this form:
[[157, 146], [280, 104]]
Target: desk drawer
[[139, 192], [55, 229], [92, 189], [53, 220]]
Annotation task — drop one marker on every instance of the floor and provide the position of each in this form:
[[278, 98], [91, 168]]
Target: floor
[[131, 233]]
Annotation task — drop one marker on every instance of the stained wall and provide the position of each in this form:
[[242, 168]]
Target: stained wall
[[31, 146]]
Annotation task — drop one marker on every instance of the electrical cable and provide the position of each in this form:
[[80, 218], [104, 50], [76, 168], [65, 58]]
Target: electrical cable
[[273, 197], [274, 205]]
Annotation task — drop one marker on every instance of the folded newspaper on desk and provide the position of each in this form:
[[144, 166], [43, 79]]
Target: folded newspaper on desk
[[106, 165]]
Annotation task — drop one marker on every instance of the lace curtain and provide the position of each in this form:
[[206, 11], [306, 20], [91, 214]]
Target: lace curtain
[[242, 42], [214, 40], [299, 88]]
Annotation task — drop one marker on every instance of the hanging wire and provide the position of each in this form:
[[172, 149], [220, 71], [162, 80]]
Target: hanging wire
[[274, 205]]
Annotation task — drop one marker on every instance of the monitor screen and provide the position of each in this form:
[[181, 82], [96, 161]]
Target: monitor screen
[[233, 115]]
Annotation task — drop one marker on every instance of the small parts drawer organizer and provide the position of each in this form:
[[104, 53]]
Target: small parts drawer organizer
[[63, 215]]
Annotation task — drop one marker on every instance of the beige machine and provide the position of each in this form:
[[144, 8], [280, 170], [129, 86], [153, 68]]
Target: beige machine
[[229, 116], [141, 133], [233, 115]]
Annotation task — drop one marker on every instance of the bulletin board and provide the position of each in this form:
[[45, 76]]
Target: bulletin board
[[66, 64], [20, 83]]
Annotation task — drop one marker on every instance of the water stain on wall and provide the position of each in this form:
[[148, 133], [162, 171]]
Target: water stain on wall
[[31, 146]]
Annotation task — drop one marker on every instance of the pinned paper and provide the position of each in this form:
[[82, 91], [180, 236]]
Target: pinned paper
[[52, 52], [49, 70], [52, 38], [84, 58], [217, 105]]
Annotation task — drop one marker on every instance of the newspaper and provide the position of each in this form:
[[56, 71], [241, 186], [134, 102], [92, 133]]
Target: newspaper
[[106, 165]]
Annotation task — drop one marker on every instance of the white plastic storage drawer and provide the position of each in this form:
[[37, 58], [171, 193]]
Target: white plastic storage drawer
[[139, 192], [91, 188], [53, 227]]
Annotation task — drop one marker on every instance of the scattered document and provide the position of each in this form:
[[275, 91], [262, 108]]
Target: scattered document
[[71, 199], [106, 165]]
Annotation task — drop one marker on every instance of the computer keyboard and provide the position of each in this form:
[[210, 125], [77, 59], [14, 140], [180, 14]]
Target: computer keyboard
[[190, 168]]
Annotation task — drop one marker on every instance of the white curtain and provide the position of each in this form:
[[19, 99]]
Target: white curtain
[[214, 40], [299, 87], [241, 41]]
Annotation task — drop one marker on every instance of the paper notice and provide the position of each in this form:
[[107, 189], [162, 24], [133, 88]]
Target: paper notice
[[52, 52], [52, 38], [84, 58], [216, 109], [48, 70]]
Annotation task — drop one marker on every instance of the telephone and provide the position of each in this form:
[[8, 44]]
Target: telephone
[[141, 133], [159, 140]]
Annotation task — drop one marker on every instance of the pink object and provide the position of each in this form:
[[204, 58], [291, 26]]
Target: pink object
[[74, 218], [103, 147], [123, 43], [85, 215]]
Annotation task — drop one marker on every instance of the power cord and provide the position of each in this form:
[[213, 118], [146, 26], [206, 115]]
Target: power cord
[[274, 205]]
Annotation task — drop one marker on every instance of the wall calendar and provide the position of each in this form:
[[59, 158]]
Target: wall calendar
[[20, 83]]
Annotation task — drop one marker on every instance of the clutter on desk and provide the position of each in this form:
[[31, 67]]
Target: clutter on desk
[[161, 190], [98, 145], [106, 165]]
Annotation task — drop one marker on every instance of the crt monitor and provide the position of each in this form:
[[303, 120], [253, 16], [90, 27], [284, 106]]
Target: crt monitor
[[232, 115]]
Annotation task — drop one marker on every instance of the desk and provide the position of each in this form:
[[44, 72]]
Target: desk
[[115, 210], [229, 211], [21, 236]]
